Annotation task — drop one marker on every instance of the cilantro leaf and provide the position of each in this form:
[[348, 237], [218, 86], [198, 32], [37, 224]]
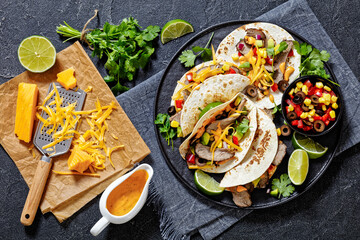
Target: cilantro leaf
[[163, 122], [187, 57], [243, 126], [284, 185], [118, 88], [283, 45]]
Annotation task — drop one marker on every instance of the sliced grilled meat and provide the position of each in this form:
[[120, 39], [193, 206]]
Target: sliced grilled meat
[[223, 124], [269, 68], [176, 117], [242, 199], [249, 186], [252, 32], [264, 180], [220, 154], [281, 57], [281, 152], [245, 47]]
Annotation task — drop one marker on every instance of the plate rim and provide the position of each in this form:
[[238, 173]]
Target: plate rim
[[173, 169]]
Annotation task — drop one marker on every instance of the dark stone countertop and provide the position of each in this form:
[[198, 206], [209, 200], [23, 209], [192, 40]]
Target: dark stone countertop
[[329, 210]]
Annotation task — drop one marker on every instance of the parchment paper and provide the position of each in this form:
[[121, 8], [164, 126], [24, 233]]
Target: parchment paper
[[66, 194]]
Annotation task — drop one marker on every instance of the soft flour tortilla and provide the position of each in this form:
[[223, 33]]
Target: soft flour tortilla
[[227, 47], [217, 88], [260, 156], [244, 143]]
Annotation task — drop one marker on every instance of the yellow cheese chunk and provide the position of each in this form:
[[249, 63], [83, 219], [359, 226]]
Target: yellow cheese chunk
[[26, 110], [66, 78]]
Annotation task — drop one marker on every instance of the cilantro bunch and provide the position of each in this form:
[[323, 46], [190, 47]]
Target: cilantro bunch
[[312, 60], [283, 185], [126, 48], [166, 131], [188, 57]]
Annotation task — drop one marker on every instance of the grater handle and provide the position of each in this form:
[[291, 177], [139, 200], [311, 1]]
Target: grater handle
[[36, 191]]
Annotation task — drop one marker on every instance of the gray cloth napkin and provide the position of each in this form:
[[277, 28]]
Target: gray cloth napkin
[[183, 213]]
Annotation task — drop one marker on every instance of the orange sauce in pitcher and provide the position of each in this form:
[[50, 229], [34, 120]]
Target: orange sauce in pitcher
[[125, 196]]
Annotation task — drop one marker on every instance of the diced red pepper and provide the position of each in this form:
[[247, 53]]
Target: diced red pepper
[[287, 109], [189, 77], [328, 110], [190, 158], [311, 90], [307, 128], [308, 84], [289, 102], [179, 103], [317, 118], [332, 93], [232, 71], [325, 117], [232, 104], [291, 53], [235, 140], [327, 122], [274, 87], [255, 51], [332, 119], [300, 124], [294, 123], [298, 111], [239, 54], [318, 92], [269, 60]]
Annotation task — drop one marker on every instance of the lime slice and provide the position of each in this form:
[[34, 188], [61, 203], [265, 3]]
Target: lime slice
[[314, 149], [298, 166], [207, 184], [36, 54], [175, 29]]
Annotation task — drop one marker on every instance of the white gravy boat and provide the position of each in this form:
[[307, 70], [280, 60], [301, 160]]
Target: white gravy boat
[[110, 218]]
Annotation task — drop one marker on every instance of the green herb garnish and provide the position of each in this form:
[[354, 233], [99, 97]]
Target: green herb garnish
[[284, 185], [312, 60], [166, 131], [188, 57], [276, 108], [283, 45], [126, 47]]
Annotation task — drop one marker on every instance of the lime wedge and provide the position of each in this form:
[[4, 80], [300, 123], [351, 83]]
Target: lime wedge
[[207, 184], [314, 149], [36, 54], [298, 166], [175, 29]]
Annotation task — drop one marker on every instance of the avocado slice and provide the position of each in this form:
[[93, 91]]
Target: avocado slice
[[275, 192], [208, 107], [205, 138]]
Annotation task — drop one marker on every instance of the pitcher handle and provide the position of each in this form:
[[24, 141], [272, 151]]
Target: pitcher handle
[[99, 226]]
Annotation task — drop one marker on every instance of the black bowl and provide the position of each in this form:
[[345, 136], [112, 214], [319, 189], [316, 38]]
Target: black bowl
[[313, 79]]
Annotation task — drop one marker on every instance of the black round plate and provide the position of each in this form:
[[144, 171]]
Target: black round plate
[[178, 166]]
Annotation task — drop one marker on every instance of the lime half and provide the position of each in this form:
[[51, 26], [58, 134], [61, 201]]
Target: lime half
[[175, 29], [207, 184], [298, 166], [314, 149], [36, 54]]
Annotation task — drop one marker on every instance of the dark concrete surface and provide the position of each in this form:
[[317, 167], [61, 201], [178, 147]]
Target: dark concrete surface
[[329, 210]]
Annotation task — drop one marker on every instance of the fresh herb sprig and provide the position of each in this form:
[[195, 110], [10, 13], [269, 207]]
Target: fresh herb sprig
[[283, 185], [126, 47], [163, 122], [312, 60], [188, 57]]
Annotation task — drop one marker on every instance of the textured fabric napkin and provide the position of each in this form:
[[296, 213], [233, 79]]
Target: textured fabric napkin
[[183, 213]]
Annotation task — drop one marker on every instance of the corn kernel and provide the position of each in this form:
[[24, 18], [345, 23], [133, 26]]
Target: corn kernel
[[335, 106], [174, 124], [324, 108], [291, 108], [311, 119], [226, 67], [263, 61], [291, 92], [334, 99], [278, 131], [332, 114], [220, 144], [319, 85], [235, 57], [307, 102], [327, 88], [299, 85], [242, 58], [327, 103], [296, 90], [321, 100], [304, 88], [266, 92], [312, 112], [304, 115], [327, 97], [311, 106]]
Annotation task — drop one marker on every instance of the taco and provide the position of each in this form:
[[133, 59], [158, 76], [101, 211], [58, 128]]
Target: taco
[[222, 137], [213, 92], [265, 53]]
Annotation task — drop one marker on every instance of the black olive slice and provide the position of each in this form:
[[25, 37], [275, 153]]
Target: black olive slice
[[171, 110], [320, 112], [291, 116], [304, 107], [251, 91], [314, 99], [285, 130], [299, 97], [200, 162], [283, 85], [307, 122], [319, 126]]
